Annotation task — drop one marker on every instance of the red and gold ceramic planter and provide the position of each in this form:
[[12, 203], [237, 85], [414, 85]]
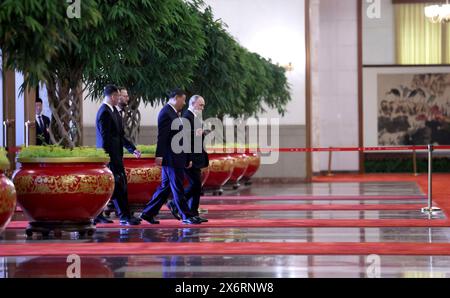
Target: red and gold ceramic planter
[[240, 167], [143, 177], [254, 162], [205, 175], [63, 190], [7, 199], [221, 166]]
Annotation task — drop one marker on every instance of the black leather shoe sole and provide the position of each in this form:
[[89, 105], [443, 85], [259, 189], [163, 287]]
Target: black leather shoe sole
[[191, 221], [150, 220], [129, 222], [201, 219]]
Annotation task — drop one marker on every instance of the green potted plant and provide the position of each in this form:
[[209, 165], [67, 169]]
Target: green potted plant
[[62, 189], [221, 167], [241, 162], [143, 176], [254, 162]]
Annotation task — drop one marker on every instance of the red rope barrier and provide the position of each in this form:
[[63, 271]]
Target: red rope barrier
[[336, 149]]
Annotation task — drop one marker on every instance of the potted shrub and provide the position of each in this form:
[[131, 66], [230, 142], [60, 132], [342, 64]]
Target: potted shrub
[[238, 152], [7, 193], [143, 176], [62, 189], [254, 162], [221, 166]]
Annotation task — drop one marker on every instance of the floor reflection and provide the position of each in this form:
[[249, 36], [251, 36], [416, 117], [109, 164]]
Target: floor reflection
[[418, 235], [256, 266], [229, 266]]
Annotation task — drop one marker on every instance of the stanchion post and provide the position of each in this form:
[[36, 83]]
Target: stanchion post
[[430, 208], [330, 159], [415, 162]]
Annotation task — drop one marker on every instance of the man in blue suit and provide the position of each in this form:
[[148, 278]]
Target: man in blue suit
[[111, 137], [173, 161], [199, 156]]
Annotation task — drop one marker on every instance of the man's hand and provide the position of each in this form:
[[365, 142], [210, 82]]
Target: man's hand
[[137, 153], [158, 161], [189, 165], [199, 132]]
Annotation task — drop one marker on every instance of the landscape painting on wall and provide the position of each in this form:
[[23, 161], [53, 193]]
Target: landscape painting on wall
[[413, 109]]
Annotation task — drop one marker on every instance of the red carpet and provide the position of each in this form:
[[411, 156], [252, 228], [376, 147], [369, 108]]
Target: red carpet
[[293, 207], [315, 197], [275, 223], [237, 248], [441, 189]]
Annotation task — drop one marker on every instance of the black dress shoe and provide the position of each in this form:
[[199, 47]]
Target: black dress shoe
[[102, 219], [129, 221], [201, 219], [191, 221], [149, 219], [173, 209], [136, 218]]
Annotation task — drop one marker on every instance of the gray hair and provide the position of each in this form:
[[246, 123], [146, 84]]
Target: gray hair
[[193, 99]]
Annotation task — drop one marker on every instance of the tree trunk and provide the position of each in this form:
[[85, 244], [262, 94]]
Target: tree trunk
[[132, 119], [65, 98]]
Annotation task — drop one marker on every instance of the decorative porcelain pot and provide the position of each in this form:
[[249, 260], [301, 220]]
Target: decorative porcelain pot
[[7, 198], [64, 193]]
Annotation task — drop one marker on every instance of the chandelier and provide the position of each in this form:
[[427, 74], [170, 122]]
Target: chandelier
[[438, 13]]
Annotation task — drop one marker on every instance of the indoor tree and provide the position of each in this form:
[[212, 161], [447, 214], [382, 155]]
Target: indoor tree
[[40, 40], [169, 63]]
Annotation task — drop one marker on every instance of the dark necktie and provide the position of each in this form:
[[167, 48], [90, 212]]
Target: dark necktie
[[41, 124], [117, 116]]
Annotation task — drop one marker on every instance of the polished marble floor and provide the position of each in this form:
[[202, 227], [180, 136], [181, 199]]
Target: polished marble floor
[[252, 265], [281, 266], [415, 235], [335, 188]]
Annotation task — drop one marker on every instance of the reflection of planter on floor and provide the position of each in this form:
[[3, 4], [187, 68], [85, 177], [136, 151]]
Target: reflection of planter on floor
[[143, 177], [7, 197], [254, 162], [58, 267], [63, 193], [221, 166], [240, 167]]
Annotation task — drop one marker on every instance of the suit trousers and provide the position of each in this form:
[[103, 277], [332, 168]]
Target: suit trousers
[[171, 181], [120, 194], [193, 191]]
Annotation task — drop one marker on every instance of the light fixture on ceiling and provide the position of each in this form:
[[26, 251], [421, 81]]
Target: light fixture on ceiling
[[438, 13]]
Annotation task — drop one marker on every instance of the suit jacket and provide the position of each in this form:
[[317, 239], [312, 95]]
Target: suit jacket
[[42, 135], [165, 136], [199, 159], [111, 136]]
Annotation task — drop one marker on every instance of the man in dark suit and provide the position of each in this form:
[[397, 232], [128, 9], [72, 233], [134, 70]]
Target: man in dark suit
[[173, 159], [199, 156], [111, 137], [42, 125]]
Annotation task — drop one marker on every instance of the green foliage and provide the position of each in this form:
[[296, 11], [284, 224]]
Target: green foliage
[[40, 40], [234, 81], [4, 162], [58, 152], [175, 43], [149, 46], [144, 149]]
